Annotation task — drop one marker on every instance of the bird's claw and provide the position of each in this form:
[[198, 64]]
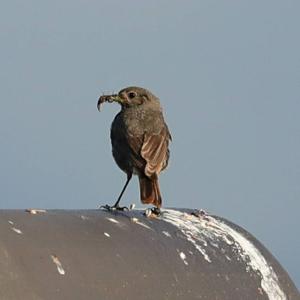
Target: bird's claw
[[152, 212], [114, 208], [156, 211]]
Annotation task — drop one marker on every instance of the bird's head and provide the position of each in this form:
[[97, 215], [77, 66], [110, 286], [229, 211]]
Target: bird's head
[[129, 97]]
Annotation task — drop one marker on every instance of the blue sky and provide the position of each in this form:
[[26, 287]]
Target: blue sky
[[227, 74]]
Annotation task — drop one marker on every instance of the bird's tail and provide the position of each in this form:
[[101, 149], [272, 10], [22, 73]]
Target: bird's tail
[[150, 193]]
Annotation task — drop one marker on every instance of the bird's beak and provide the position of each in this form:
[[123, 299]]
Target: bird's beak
[[108, 98]]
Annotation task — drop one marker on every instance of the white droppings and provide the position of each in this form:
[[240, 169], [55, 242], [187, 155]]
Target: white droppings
[[18, 231], [58, 264], [82, 217], [254, 259], [112, 220], [144, 225], [183, 257], [215, 245], [209, 230], [106, 234], [148, 212], [35, 211], [166, 233], [137, 221], [187, 225]]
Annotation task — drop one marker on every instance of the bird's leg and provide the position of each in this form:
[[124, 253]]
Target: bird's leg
[[116, 205]]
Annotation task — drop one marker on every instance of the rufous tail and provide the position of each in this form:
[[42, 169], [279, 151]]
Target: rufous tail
[[149, 189]]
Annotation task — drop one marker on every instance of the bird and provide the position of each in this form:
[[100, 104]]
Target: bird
[[140, 141]]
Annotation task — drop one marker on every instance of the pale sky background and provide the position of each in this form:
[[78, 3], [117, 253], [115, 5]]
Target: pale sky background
[[227, 74]]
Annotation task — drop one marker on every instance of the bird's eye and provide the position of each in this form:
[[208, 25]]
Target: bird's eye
[[131, 95]]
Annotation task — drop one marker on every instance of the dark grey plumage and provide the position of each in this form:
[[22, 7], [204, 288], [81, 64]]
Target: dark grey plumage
[[140, 140]]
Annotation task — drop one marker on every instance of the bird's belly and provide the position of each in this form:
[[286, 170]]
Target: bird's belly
[[122, 158], [126, 147]]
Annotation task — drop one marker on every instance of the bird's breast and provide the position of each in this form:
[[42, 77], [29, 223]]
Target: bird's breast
[[139, 121]]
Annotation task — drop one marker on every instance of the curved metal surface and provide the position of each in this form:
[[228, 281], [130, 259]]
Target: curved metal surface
[[94, 254]]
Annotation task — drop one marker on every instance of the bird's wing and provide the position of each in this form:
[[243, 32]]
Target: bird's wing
[[155, 151], [135, 143]]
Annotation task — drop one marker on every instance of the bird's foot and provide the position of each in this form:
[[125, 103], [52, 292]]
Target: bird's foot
[[152, 212], [114, 207], [156, 211]]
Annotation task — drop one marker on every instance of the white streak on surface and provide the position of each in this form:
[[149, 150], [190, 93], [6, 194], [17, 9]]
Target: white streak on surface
[[112, 220], [143, 224], [18, 231], [148, 212], [166, 233], [185, 223], [137, 221], [11, 222], [106, 234], [183, 257], [227, 257], [58, 264], [203, 231], [34, 211], [254, 259]]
